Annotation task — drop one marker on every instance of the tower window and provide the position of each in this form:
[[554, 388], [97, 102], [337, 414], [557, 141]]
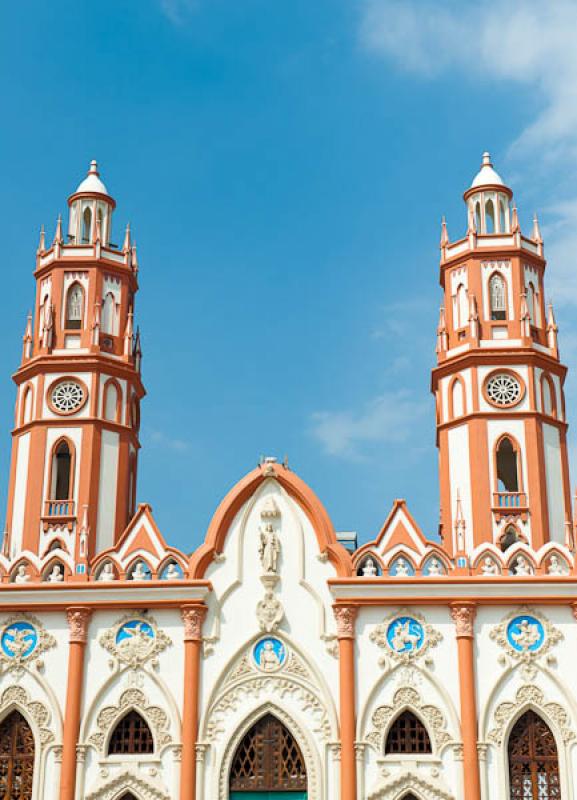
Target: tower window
[[461, 307], [86, 225], [74, 307], [490, 216], [132, 736], [503, 217], [498, 297], [61, 472], [109, 314], [507, 467], [407, 735], [478, 217]]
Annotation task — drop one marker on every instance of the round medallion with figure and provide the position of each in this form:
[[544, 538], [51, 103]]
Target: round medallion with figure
[[504, 389], [405, 635], [269, 654], [67, 396], [19, 640], [525, 634], [135, 638]]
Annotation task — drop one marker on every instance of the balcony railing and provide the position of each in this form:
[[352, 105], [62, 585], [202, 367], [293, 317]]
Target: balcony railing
[[59, 508], [507, 503]]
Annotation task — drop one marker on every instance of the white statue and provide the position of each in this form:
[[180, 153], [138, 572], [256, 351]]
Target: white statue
[[435, 567], [555, 567], [522, 566], [172, 573], [369, 568], [107, 573], [489, 567], [269, 661], [22, 575], [138, 573], [269, 548], [528, 635], [402, 568], [403, 638], [56, 575]]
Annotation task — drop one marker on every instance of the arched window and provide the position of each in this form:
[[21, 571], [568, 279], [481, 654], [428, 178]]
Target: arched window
[[131, 736], [498, 296], [478, 217], [74, 307], [490, 216], [267, 760], [27, 405], [16, 758], [458, 407], [86, 225], [533, 760], [503, 227], [461, 307], [108, 314], [548, 396], [61, 471], [111, 402], [531, 302], [507, 467], [407, 735], [509, 538]]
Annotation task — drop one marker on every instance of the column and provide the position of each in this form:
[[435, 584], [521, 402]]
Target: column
[[345, 617], [193, 618], [78, 619], [463, 615]]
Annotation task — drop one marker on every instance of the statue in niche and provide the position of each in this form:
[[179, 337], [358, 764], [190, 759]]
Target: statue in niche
[[435, 567], [522, 566], [369, 568], [555, 566], [489, 567], [107, 573], [402, 568], [269, 611], [269, 661], [56, 575], [22, 575], [138, 573], [172, 572], [269, 548]]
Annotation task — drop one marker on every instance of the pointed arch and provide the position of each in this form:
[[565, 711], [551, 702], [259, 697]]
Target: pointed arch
[[533, 759], [457, 397], [62, 465], [112, 400], [461, 307], [364, 564], [490, 216], [478, 217], [548, 395], [498, 296], [131, 736], [27, 404], [407, 735], [503, 217], [74, 307], [86, 225], [508, 466], [108, 319], [17, 757]]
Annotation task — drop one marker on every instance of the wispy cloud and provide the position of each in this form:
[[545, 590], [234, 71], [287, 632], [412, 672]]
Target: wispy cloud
[[174, 444], [392, 417], [178, 11]]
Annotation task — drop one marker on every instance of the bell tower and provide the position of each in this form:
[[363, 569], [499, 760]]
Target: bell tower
[[75, 438], [498, 383]]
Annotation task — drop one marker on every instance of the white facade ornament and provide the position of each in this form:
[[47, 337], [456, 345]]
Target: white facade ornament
[[435, 567], [269, 509], [489, 566], [19, 697], [23, 639], [402, 568], [22, 575], [528, 696], [129, 780], [369, 568], [556, 566], [56, 574], [172, 572], [107, 573], [138, 573], [269, 548], [526, 635], [522, 566], [401, 784], [407, 698], [109, 716], [269, 610], [135, 639], [405, 636]]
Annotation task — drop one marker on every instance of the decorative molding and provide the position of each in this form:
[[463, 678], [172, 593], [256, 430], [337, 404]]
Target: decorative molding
[[17, 696], [412, 631], [407, 698], [525, 642], [464, 618], [406, 781], [193, 618], [107, 719], [129, 780], [78, 619], [269, 610], [24, 637], [135, 639], [345, 617], [530, 695]]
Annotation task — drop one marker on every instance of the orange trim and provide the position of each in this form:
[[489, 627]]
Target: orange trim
[[62, 379], [345, 617], [193, 617], [72, 451], [466, 659], [239, 494], [481, 496]]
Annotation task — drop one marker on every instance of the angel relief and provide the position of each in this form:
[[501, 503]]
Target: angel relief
[[269, 548]]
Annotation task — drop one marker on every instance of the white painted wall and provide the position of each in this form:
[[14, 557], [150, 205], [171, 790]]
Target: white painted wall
[[554, 482], [108, 487], [20, 488]]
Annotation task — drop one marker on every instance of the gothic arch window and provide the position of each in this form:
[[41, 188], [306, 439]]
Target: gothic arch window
[[407, 735], [490, 216], [478, 220], [548, 400], [533, 760], [74, 307], [498, 296], [16, 758], [503, 227], [458, 402], [131, 736], [508, 466], [27, 400], [531, 303], [111, 401], [268, 759], [86, 225], [461, 307], [109, 314], [62, 470]]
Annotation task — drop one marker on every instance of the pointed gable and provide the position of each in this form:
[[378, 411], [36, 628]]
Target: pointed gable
[[399, 532], [142, 537]]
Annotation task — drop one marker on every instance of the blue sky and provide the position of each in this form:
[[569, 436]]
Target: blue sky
[[285, 166]]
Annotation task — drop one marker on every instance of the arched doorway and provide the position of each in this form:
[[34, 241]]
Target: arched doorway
[[533, 760], [268, 764], [16, 758]]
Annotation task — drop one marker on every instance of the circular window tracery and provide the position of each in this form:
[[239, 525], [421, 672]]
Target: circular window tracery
[[503, 389], [67, 397]]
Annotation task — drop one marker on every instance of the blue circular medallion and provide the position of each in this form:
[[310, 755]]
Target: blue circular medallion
[[525, 634], [405, 635], [19, 640], [269, 654], [133, 630]]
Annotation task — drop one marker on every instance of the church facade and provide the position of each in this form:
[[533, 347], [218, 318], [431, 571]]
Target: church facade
[[274, 662]]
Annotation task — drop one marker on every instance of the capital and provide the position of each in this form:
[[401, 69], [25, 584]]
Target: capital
[[464, 618], [193, 618], [78, 619], [345, 617]]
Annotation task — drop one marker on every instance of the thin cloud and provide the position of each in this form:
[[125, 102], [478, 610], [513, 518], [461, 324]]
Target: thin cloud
[[178, 11], [392, 417], [175, 444]]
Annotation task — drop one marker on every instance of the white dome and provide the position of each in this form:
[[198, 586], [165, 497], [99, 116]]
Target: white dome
[[487, 175], [92, 183]]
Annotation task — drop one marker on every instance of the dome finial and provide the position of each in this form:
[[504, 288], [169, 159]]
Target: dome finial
[[93, 167], [486, 159]]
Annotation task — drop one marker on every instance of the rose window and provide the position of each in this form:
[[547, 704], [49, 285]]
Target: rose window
[[67, 396], [503, 389]]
